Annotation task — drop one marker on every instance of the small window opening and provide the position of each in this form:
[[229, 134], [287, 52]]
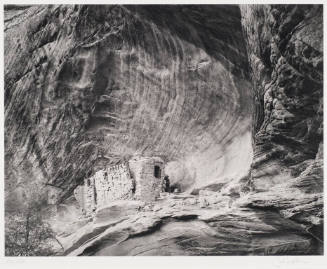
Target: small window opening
[[157, 171], [133, 185], [95, 195]]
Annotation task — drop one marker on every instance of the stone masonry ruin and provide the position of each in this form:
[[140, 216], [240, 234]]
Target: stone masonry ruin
[[139, 179]]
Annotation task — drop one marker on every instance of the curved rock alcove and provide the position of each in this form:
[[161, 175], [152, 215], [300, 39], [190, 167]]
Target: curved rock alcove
[[229, 97]]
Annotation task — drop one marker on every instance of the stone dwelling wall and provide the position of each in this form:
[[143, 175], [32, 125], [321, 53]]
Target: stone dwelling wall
[[86, 195], [90, 195], [107, 185], [147, 186], [113, 183], [134, 180]]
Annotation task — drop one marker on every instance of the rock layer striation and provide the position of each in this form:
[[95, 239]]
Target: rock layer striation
[[285, 51], [90, 86]]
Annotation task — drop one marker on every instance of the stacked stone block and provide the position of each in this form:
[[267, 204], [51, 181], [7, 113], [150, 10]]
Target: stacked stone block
[[148, 187], [113, 183], [135, 180]]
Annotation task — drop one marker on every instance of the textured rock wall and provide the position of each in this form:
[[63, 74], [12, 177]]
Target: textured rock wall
[[87, 86], [285, 50]]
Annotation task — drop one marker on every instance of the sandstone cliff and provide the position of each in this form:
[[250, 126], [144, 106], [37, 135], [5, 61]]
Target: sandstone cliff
[[285, 49], [230, 97], [87, 86]]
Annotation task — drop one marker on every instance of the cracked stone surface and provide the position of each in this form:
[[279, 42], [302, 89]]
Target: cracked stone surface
[[285, 53], [192, 230]]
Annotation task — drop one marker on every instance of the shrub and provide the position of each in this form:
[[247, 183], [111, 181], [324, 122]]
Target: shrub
[[26, 233]]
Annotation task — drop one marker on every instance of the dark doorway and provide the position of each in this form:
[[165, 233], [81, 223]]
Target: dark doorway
[[157, 172]]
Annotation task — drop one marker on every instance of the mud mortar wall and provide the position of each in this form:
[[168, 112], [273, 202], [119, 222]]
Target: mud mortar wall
[[107, 185], [147, 187], [129, 181]]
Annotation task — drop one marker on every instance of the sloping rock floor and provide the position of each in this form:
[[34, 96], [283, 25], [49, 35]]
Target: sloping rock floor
[[188, 225]]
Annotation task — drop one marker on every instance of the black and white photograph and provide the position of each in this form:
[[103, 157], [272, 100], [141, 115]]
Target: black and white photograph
[[163, 130]]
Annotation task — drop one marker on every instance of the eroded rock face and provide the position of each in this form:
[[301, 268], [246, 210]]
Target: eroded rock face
[[87, 86], [286, 58]]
